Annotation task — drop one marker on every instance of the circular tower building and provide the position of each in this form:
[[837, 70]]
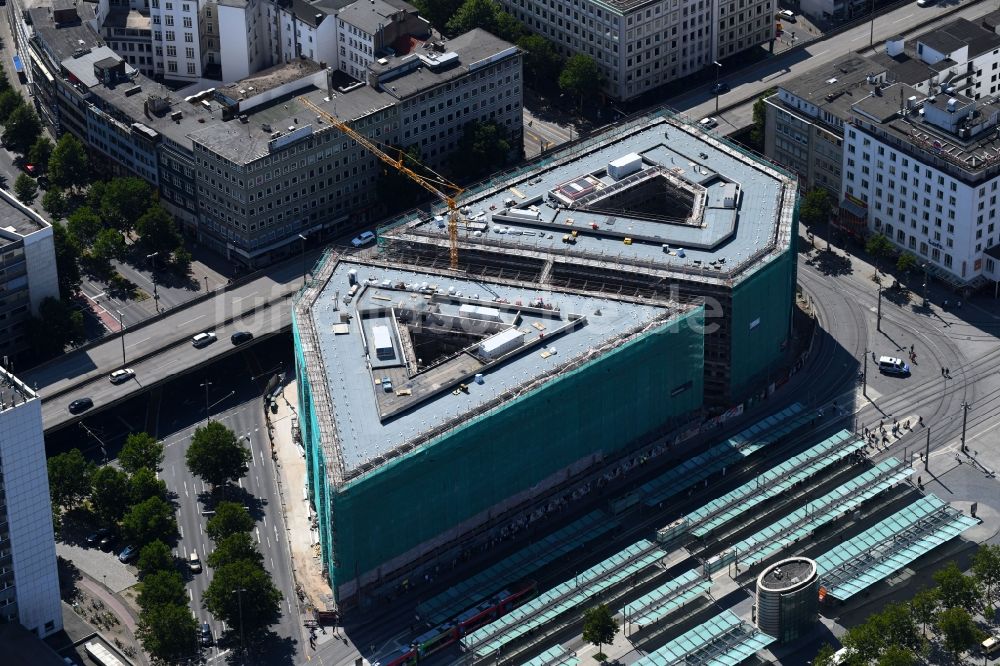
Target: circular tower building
[[788, 598]]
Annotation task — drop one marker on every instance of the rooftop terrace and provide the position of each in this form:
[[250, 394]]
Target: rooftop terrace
[[659, 192], [403, 353]]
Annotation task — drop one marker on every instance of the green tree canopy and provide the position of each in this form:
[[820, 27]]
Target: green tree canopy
[[906, 262], [484, 147], [396, 188], [21, 129], [878, 246], [68, 163], [233, 548], [9, 100], [815, 208], [160, 588], [40, 152], [168, 633], [67, 250], [143, 484], [83, 225], [896, 655], [54, 203], [155, 556], [140, 450], [487, 15], [216, 456], [157, 231], [69, 478], [542, 63], [924, 606], [258, 599], [955, 589], [109, 244], [759, 121], [894, 625], [150, 520], [599, 627], [438, 12], [986, 569], [581, 78], [230, 518], [26, 188], [182, 260], [57, 325], [124, 200], [959, 630], [109, 488]]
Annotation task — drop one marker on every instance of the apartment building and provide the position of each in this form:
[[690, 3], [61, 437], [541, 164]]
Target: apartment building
[[29, 582], [806, 116], [27, 272], [924, 170], [639, 45]]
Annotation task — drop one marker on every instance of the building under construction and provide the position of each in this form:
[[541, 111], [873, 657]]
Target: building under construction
[[652, 208], [444, 410]]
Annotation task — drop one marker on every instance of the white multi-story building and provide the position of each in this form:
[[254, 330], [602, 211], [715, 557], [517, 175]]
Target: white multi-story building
[[640, 45], [29, 582], [924, 170], [176, 39]]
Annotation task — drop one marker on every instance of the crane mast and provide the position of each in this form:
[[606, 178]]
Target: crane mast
[[432, 185]]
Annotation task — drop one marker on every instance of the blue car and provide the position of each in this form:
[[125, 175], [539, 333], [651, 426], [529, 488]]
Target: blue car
[[128, 554]]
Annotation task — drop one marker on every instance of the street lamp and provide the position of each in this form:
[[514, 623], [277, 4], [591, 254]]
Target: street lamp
[[206, 284], [718, 68], [924, 266], [156, 297], [206, 384], [878, 316], [121, 324], [239, 600], [302, 254]]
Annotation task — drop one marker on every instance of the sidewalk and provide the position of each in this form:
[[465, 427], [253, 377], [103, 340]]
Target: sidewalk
[[119, 609], [303, 540]]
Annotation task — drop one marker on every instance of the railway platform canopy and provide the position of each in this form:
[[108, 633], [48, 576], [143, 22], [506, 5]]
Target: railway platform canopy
[[555, 656], [666, 599], [890, 545], [724, 639]]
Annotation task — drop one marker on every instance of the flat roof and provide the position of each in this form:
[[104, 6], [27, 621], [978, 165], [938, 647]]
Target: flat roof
[[82, 66], [15, 224], [696, 231], [434, 374], [958, 33], [787, 574]]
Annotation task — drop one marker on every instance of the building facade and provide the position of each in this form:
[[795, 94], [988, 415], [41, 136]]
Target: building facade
[[29, 582], [641, 45]]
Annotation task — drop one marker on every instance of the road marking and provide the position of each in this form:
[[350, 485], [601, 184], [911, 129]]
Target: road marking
[[272, 562], [191, 595], [275, 532], [257, 530], [258, 480], [186, 493], [265, 520], [139, 342], [191, 320], [816, 55], [200, 528], [900, 20], [241, 480], [857, 38], [181, 528]]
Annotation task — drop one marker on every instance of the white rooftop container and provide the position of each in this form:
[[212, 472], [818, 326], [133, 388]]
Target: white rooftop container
[[382, 340], [501, 343], [624, 166], [470, 311]]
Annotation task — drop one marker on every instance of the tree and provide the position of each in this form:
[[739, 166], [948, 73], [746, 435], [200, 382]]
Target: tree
[[66, 250], [959, 630], [396, 188], [233, 548], [438, 12], [9, 100], [40, 152], [57, 325], [150, 520], [144, 485], [906, 263], [182, 260], [924, 606], [157, 231], [160, 588], [109, 488], [155, 556], [816, 207], [482, 148], [69, 478], [230, 518], [896, 655], [125, 200], [54, 203], [216, 455], [878, 246], [759, 121], [140, 450], [580, 77], [825, 656], [21, 129], [487, 15], [168, 633], [897, 626], [599, 628], [955, 589], [83, 225], [68, 163], [257, 602], [26, 188], [542, 62], [109, 244], [986, 570]]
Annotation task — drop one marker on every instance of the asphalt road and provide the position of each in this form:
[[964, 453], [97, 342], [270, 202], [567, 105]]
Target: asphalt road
[[244, 414]]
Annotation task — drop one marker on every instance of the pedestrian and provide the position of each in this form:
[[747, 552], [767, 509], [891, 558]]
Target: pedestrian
[[911, 349], [942, 371], [873, 357], [920, 420], [947, 372]]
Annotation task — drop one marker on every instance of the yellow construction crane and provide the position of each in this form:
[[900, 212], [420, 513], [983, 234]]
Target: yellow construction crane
[[434, 185]]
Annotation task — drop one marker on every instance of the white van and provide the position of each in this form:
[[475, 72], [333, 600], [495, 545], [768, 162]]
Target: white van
[[892, 366], [786, 15], [991, 645]]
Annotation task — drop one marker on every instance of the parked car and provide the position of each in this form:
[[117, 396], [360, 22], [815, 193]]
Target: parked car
[[203, 339], [786, 15], [708, 123], [364, 238], [925, 3], [95, 538], [80, 405], [720, 88], [205, 634], [239, 337], [122, 376], [129, 553]]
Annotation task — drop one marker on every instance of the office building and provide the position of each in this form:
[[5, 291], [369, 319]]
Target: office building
[[29, 581]]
